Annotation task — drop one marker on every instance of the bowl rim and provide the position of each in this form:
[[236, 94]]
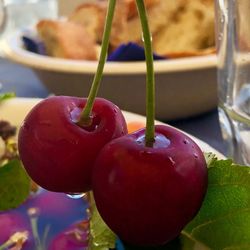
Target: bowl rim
[[13, 49]]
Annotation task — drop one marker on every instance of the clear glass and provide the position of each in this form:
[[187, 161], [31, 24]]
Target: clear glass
[[23, 14], [2, 25], [2, 15], [233, 46]]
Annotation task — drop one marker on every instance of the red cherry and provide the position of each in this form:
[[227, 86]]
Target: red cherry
[[146, 195], [57, 153]]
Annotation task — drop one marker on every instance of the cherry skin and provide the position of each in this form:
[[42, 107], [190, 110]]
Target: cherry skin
[[146, 195], [57, 153]]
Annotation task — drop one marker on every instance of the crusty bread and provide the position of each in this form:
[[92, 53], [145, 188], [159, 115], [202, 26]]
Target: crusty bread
[[126, 24], [200, 52], [66, 39], [92, 17], [179, 28], [159, 15], [132, 9], [119, 26], [190, 30]]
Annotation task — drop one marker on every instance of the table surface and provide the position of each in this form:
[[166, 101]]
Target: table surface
[[24, 83]]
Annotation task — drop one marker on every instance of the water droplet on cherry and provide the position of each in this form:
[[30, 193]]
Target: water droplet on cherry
[[196, 156], [172, 161], [76, 195]]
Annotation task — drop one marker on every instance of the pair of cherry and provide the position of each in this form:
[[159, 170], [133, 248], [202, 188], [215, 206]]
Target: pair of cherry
[[147, 185]]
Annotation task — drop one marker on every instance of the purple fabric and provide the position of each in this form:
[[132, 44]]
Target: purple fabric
[[34, 45], [130, 52]]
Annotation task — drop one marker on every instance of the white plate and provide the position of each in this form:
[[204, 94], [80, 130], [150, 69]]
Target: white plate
[[14, 110]]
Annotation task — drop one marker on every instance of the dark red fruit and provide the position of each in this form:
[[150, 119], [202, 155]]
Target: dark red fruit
[[56, 152], [146, 195]]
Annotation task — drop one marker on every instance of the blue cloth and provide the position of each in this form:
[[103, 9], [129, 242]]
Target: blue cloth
[[34, 45], [130, 52]]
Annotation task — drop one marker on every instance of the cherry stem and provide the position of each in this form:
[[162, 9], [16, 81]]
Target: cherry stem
[[85, 117], [150, 88]]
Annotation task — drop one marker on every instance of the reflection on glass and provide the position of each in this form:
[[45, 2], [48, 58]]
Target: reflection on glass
[[233, 42]]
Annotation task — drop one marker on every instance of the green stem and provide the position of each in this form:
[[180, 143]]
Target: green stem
[[150, 89], [85, 118], [33, 215], [34, 229], [5, 246]]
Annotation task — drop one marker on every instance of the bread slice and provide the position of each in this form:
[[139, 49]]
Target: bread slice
[[92, 17], [191, 29], [191, 53], [179, 28], [66, 39], [132, 9], [159, 15]]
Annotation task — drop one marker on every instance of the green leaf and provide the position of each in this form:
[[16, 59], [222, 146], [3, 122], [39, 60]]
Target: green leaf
[[223, 222], [14, 185], [6, 96], [101, 237]]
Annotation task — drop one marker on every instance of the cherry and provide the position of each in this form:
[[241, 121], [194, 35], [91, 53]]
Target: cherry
[[146, 195], [61, 136], [57, 153]]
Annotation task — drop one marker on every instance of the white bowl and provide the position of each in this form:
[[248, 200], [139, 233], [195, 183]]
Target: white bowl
[[184, 87]]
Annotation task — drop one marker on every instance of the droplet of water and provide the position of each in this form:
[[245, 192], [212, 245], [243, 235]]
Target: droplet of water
[[172, 161], [76, 195], [196, 156]]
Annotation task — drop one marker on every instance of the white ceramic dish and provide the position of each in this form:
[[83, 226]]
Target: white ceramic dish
[[14, 110], [184, 87]]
